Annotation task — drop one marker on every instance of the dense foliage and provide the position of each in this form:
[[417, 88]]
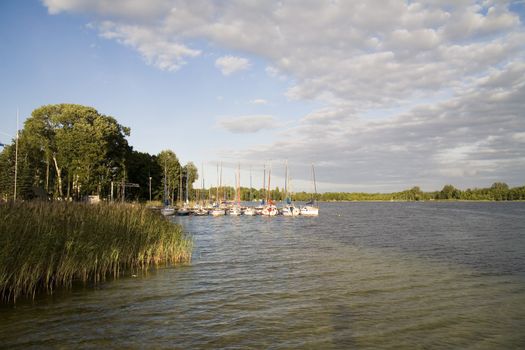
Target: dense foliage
[[69, 151]]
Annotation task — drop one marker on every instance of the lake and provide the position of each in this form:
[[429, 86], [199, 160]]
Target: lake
[[361, 275]]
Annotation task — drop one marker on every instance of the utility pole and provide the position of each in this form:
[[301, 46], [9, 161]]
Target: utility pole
[[16, 152], [150, 188]]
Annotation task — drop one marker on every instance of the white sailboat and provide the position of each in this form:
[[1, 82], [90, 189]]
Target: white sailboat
[[311, 208], [269, 209], [217, 210], [200, 209], [288, 209], [235, 210], [250, 211], [184, 210]]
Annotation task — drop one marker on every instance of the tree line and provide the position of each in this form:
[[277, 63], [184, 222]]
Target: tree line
[[69, 151], [497, 192]]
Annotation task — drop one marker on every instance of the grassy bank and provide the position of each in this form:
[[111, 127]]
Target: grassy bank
[[44, 246]]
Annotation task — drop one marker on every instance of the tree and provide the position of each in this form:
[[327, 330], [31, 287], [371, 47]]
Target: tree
[[449, 192], [72, 148], [191, 174], [499, 191], [140, 167], [170, 165]]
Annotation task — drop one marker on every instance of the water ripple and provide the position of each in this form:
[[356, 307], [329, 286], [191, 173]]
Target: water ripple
[[362, 275]]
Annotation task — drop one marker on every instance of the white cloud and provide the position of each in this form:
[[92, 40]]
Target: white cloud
[[231, 64], [247, 124], [155, 48]]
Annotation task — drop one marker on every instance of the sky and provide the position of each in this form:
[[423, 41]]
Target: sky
[[380, 95]]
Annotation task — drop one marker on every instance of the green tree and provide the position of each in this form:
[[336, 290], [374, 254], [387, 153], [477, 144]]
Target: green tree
[[499, 191], [170, 165], [84, 148], [140, 167], [449, 192], [190, 175]]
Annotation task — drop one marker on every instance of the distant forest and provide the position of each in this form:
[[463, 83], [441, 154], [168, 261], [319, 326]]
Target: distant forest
[[68, 151], [497, 192]]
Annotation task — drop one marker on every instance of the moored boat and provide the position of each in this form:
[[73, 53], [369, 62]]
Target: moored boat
[[217, 212], [309, 210], [270, 210], [200, 212], [184, 211], [235, 211], [167, 211], [290, 210], [250, 211]]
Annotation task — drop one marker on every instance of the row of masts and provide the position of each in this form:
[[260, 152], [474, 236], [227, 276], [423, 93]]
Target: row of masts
[[233, 207], [266, 186]]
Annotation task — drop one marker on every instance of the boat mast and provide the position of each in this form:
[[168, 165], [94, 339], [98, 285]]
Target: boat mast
[[187, 187], [269, 194], [179, 199], [315, 185], [264, 184], [250, 183], [217, 197], [165, 185], [202, 193], [239, 184], [220, 180], [286, 181]]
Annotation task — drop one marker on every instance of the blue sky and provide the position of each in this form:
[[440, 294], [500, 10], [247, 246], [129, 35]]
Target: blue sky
[[380, 96]]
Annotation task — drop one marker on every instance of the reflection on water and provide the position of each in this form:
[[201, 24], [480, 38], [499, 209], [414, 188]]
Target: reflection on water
[[361, 275]]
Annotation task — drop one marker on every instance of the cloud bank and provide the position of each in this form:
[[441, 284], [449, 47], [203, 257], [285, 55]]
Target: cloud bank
[[415, 92]]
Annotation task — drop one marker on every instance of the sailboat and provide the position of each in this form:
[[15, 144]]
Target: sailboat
[[167, 210], [184, 210], [250, 211], [235, 209], [217, 210], [269, 209], [311, 208], [289, 209], [200, 208], [258, 209]]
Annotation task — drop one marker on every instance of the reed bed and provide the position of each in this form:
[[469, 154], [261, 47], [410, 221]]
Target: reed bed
[[44, 246]]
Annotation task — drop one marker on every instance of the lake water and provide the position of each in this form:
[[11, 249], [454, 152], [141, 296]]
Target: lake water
[[361, 275]]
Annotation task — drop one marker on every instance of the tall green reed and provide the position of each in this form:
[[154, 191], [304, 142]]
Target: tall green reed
[[44, 246]]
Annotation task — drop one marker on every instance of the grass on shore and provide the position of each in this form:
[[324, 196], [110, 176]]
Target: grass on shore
[[44, 246]]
